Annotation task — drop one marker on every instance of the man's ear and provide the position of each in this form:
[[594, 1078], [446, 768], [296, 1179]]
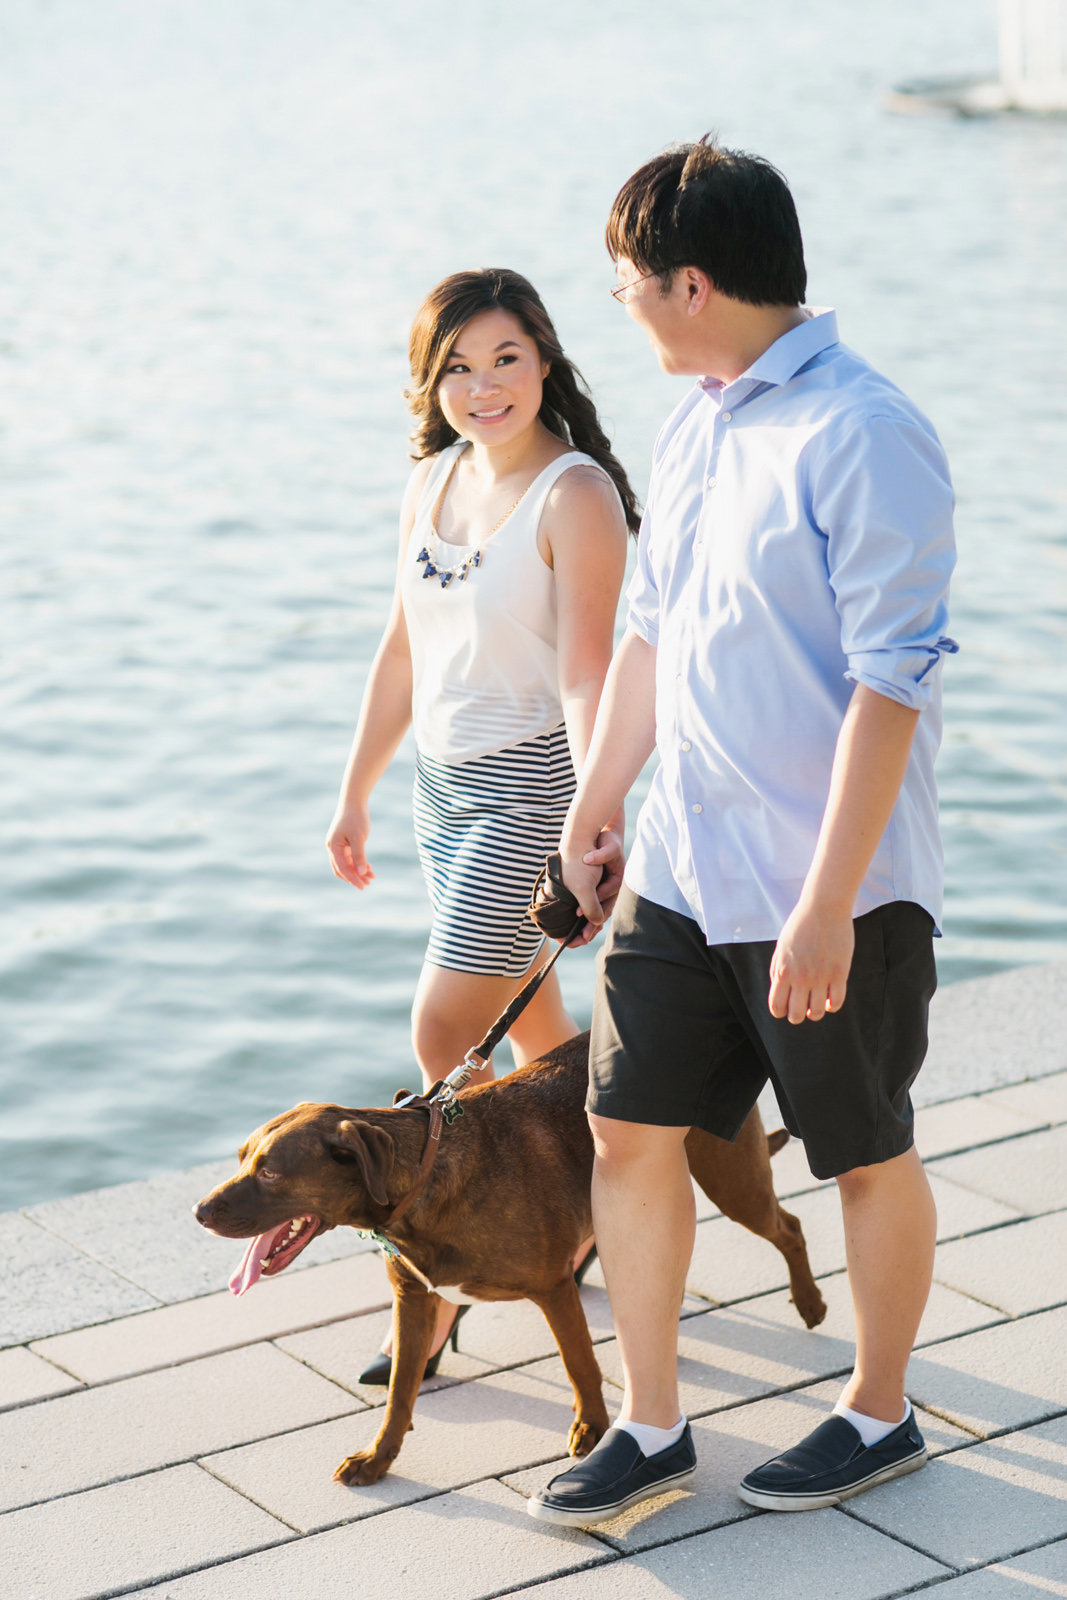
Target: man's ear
[[697, 286], [359, 1143]]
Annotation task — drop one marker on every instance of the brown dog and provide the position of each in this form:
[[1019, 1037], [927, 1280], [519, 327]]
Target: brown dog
[[501, 1217]]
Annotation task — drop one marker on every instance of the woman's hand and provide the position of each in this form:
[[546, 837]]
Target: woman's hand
[[346, 844]]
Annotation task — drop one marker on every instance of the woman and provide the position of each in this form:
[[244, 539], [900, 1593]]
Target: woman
[[512, 549]]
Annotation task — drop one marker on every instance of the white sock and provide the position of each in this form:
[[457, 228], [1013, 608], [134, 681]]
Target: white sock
[[870, 1429], [652, 1440]]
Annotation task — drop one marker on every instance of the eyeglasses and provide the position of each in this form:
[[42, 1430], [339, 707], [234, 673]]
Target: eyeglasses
[[621, 291]]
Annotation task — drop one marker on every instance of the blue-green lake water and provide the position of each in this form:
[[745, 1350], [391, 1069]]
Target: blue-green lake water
[[217, 222]]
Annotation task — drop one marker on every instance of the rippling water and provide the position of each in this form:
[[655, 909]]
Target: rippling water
[[217, 222]]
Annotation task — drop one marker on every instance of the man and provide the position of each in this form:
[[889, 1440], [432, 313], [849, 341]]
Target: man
[[783, 650]]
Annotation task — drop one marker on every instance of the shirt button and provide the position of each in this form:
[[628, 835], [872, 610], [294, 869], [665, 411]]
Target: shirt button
[[727, 416], [686, 745], [698, 808], [711, 482]]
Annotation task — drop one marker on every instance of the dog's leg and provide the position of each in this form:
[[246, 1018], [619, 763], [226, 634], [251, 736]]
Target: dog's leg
[[563, 1311], [414, 1319], [737, 1177]]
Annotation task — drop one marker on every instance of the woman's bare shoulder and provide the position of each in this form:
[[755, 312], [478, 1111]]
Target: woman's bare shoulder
[[417, 480], [584, 490]]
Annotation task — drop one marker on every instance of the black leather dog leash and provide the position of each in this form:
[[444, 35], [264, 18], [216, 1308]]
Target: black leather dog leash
[[552, 907], [444, 1092]]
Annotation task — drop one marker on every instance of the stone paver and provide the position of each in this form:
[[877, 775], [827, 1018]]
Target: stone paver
[[25, 1377], [341, 1350], [128, 1533], [820, 1556], [499, 1424], [465, 1546], [160, 1419], [982, 1503], [728, 1445], [509, 1332], [730, 1264], [1026, 1272], [943, 1129], [1035, 1575], [746, 1349], [791, 1172], [1045, 1099], [220, 1321], [736, 1353], [1025, 1173], [198, 1466], [146, 1232], [50, 1285], [947, 1314], [1003, 1377]]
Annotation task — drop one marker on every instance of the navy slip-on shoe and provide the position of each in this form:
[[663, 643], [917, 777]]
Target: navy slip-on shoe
[[616, 1475], [831, 1465]]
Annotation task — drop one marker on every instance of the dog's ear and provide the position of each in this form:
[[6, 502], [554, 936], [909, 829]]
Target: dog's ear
[[370, 1148]]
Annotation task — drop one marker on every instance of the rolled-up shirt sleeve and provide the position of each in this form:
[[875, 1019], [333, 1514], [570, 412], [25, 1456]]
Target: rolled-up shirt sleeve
[[642, 595], [883, 499]]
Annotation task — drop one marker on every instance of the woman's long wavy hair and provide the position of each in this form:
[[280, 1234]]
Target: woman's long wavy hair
[[567, 408]]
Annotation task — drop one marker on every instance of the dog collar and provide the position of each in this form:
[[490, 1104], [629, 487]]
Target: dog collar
[[388, 1248]]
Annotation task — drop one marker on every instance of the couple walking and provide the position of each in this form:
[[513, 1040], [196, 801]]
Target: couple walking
[[784, 634]]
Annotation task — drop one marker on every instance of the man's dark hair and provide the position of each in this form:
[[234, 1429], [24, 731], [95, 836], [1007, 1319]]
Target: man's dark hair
[[728, 213]]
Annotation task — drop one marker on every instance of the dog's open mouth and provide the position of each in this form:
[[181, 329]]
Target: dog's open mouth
[[272, 1252]]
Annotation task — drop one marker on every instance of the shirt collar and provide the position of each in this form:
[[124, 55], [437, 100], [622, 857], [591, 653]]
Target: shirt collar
[[784, 358]]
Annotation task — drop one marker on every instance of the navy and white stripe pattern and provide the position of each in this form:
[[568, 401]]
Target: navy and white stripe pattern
[[483, 829]]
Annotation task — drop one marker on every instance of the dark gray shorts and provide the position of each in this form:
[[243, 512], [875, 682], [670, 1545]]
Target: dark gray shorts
[[682, 1035]]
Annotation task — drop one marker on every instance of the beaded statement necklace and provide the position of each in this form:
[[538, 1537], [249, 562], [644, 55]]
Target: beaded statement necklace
[[433, 566]]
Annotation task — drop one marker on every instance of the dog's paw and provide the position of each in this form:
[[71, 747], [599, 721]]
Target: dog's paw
[[811, 1306], [583, 1436], [366, 1466]]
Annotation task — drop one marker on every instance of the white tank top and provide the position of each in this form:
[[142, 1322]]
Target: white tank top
[[483, 646]]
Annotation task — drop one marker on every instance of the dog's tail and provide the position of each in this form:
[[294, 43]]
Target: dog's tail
[[776, 1140]]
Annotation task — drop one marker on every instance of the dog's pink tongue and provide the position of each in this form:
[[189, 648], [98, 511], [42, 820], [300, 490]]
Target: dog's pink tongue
[[251, 1266]]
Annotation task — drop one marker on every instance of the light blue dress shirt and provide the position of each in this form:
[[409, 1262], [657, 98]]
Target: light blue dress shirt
[[797, 541]]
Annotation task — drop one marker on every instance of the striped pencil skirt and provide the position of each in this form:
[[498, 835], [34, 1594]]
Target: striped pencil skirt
[[483, 829]]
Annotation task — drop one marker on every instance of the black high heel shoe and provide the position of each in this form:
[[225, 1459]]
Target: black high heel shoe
[[380, 1369]]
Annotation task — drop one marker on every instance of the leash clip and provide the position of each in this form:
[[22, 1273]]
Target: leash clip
[[458, 1078]]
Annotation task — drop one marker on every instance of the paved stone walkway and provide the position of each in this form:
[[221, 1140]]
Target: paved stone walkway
[[158, 1438]]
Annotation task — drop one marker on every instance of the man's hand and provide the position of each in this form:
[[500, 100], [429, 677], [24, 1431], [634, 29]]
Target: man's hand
[[582, 871], [813, 956], [811, 962]]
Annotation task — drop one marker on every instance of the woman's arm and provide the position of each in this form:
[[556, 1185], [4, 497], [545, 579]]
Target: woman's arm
[[583, 539], [624, 738], [384, 717]]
